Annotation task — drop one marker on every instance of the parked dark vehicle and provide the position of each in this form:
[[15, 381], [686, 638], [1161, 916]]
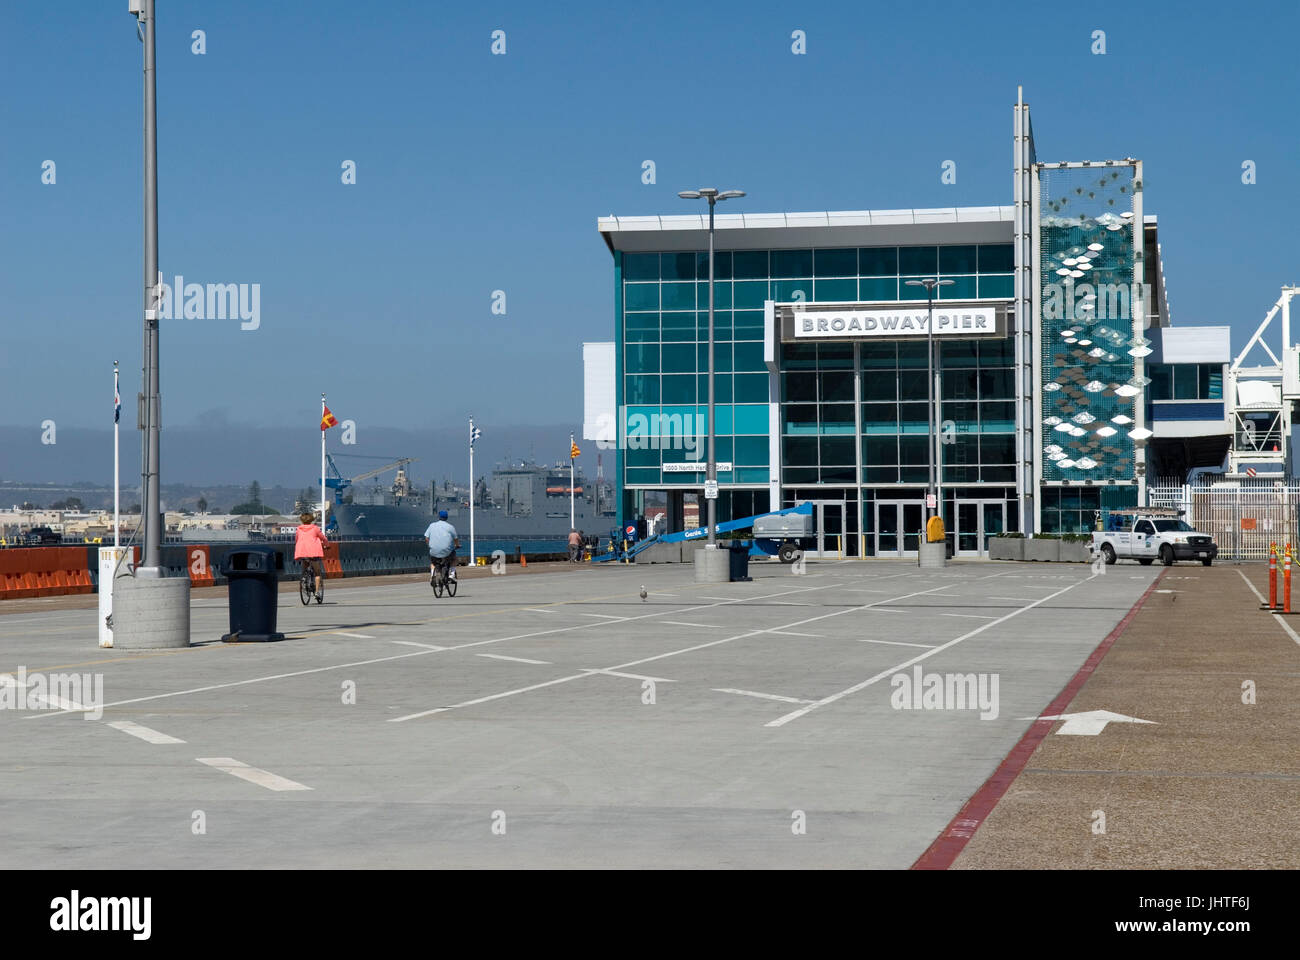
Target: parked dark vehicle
[[39, 536]]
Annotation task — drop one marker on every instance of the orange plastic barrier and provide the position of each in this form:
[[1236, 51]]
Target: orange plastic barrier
[[43, 572], [199, 559], [72, 572], [42, 578], [14, 566], [332, 567]]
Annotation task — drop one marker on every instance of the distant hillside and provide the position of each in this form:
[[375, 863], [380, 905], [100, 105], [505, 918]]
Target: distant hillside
[[220, 462]]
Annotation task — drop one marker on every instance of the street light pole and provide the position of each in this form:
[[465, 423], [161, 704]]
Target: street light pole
[[148, 610], [932, 489], [711, 466], [152, 559]]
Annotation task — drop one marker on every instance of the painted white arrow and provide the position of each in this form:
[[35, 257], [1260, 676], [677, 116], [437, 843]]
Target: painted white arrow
[[1088, 724]]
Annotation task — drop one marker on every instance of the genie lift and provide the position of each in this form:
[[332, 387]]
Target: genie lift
[[775, 534]]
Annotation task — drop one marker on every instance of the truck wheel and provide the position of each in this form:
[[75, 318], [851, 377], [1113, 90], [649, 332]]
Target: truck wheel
[[1146, 561], [1167, 555], [1108, 552], [1206, 563], [787, 553]]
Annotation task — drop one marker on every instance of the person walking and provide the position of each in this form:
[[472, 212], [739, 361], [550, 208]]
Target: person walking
[[575, 545]]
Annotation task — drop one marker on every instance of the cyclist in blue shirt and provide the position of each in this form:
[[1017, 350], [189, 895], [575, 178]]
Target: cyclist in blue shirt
[[442, 540]]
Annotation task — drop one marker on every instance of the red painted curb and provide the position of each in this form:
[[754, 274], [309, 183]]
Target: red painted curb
[[949, 844]]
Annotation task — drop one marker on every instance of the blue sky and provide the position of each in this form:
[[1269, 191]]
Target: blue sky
[[478, 172]]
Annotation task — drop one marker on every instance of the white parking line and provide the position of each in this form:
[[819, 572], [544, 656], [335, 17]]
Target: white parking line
[[603, 616], [896, 643], [969, 616], [502, 656], [629, 676], [252, 774], [489, 698], [682, 623], [1280, 621], [791, 633], [143, 732], [426, 648], [588, 673], [537, 610], [802, 711], [358, 636], [764, 696], [1016, 599]]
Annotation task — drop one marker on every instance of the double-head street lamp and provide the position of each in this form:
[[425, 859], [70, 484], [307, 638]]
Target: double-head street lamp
[[933, 489], [711, 476]]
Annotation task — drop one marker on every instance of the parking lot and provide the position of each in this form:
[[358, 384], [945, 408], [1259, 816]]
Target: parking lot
[[552, 720]]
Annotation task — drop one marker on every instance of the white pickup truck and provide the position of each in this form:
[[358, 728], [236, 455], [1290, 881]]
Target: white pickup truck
[[1150, 536]]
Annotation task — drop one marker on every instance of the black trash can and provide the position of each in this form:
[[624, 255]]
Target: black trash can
[[739, 561], [253, 573]]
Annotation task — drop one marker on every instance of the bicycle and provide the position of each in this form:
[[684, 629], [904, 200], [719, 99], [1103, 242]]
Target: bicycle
[[440, 579], [307, 585]]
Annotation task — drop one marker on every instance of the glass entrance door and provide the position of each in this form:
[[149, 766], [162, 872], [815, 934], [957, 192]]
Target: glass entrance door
[[967, 534], [830, 532], [898, 527], [978, 522], [992, 522]]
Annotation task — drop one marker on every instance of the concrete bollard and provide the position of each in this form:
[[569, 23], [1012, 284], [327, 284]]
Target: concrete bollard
[[712, 564], [151, 614]]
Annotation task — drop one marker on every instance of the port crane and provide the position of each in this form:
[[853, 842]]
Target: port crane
[[1261, 400], [339, 484]]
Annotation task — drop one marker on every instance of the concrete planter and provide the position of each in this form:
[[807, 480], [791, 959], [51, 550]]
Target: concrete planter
[[1042, 549], [660, 553], [932, 556], [1076, 552], [1007, 548]]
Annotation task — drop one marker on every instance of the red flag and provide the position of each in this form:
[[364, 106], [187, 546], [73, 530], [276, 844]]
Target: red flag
[[328, 420]]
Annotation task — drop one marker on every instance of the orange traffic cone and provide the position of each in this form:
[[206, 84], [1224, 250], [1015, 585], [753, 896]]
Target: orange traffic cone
[[523, 561]]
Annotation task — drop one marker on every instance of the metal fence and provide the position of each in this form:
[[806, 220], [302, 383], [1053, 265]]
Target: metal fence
[[1244, 516]]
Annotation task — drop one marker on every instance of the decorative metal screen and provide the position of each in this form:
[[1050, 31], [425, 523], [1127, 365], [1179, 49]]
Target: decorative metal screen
[[1090, 343]]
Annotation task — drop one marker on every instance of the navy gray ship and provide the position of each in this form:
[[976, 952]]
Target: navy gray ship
[[522, 504]]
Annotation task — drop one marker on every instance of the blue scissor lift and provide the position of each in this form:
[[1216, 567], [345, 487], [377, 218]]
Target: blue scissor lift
[[762, 547]]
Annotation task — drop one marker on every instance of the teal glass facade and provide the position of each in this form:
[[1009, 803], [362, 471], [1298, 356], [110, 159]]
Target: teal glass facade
[[662, 384]]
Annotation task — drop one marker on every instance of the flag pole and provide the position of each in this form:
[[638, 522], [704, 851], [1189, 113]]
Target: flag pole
[[117, 500], [472, 558], [322, 463], [571, 515]]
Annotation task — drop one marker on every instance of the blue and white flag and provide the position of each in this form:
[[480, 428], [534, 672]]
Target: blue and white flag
[[474, 433], [117, 399]]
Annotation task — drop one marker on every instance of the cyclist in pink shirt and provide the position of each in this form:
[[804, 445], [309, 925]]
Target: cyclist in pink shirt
[[309, 547]]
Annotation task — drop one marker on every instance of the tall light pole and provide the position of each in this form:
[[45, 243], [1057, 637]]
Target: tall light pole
[[151, 565], [933, 489], [711, 468], [149, 610]]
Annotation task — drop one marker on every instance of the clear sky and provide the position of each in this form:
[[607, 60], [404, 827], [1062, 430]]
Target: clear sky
[[478, 173]]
